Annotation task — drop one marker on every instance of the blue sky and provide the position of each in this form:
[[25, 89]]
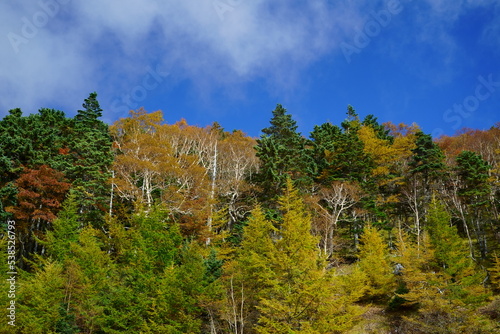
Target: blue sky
[[433, 62]]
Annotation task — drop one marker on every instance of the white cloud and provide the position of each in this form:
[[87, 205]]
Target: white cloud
[[107, 45]]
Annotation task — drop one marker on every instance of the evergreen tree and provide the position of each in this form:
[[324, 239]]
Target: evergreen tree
[[428, 159], [15, 150], [283, 153], [90, 161], [49, 131], [339, 151], [473, 170], [381, 131], [89, 116], [423, 175], [474, 192]]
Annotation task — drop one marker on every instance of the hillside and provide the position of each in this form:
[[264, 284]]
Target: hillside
[[148, 227]]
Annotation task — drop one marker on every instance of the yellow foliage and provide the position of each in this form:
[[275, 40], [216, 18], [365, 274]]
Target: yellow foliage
[[386, 156], [375, 263], [495, 273]]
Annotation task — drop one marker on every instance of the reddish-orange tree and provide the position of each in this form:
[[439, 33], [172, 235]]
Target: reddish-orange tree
[[40, 194]]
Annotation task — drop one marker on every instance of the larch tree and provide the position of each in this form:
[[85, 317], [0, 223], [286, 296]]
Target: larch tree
[[374, 261], [452, 255], [418, 272], [285, 273]]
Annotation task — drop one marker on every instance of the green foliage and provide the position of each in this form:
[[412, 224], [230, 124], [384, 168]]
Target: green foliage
[[421, 283], [65, 230], [452, 255], [175, 308], [89, 162], [134, 271], [339, 151], [451, 251], [473, 171], [40, 297], [381, 131], [283, 153], [495, 273], [428, 158]]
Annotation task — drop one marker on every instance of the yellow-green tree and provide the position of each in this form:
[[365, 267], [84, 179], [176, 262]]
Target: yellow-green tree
[[283, 275], [429, 293], [375, 262], [40, 300], [495, 273], [452, 255], [423, 284]]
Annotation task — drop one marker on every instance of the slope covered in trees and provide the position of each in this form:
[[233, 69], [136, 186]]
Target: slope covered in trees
[[148, 227]]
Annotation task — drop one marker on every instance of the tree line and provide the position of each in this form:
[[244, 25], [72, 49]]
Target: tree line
[[149, 227]]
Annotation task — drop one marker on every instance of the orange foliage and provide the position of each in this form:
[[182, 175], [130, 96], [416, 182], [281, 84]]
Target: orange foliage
[[40, 195]]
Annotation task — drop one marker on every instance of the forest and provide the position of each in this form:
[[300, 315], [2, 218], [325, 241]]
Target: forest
[[147, 227]]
